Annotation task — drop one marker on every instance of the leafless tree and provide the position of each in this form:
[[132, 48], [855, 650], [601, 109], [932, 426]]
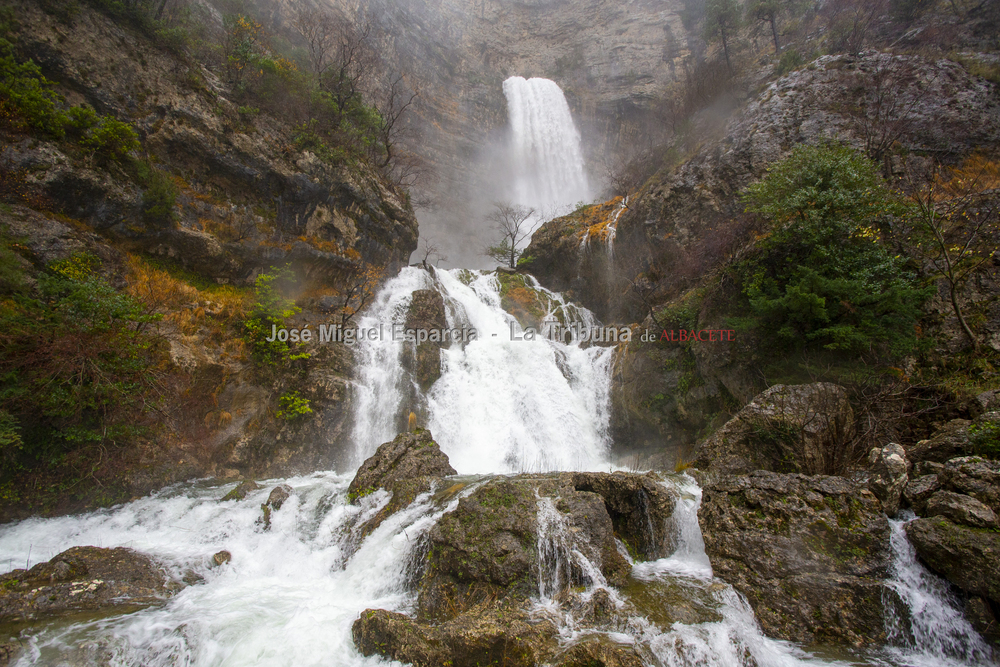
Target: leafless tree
[[513, 222], [431, 250], [320, 31], [881, 114], [398, 97]]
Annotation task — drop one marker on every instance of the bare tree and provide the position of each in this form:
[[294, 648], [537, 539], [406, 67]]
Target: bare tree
[[957, 224], [320, 31], [397, 99], [431, 250], [514, 224], [882, 112]]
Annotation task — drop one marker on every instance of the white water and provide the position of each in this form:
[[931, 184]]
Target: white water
[[288, 597], [938, 634], [547, 158], [501, 404]]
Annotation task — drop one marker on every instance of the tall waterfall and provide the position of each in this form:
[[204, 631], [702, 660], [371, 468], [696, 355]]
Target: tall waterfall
[[546, 147], [502, 403]]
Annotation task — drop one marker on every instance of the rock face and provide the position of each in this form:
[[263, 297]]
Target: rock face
[[406, 467], [787, 428], [961, 509], [968, 557], [487, 548], [426, 314], [974, 476], [809, 553], [83, 579], [889, 475], [948, 442], [408, 456], [514, 538]]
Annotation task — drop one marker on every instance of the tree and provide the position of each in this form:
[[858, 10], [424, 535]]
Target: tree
[[822, 275], [430, 250], [766, 11], [514, 224], [722, 20], [397, 99], [956, 222]]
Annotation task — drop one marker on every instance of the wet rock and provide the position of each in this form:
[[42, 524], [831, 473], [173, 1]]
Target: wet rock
[[967, 557], [981, 615], [809, 553], [640, 508], [786, 428], [488, 547], [8, 653], [487, 635], [974, 476], [919, 490], [599, 651], [961, 509], [408, 456], [888, 479], [947, 442], [924, 468], [242, 490], [221, 558], [83, 579], [279, 495], [426, 314]]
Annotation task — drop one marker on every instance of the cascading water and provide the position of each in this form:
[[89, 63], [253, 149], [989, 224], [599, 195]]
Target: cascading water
[[547, 158], [503, 403], [937, 632]]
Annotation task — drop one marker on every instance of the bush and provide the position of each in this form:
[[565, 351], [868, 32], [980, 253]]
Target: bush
[[823, 276], [985, 439], [159, 199], [269, 313], [111, 139], [26, 97], [77, 365], [293, 406]]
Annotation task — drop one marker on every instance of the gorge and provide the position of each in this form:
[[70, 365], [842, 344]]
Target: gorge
[[180, 487]]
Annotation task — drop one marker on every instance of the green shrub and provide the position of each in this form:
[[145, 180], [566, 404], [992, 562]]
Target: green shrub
[[159, 199], [293, 406], [111, 139], [77, 365], [27, 100], [790, 60], [270, 311], [822, 276], [985, 439]]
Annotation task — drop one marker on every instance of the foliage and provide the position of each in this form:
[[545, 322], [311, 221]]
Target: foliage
[[723, 19], [954, 226], [985, 439], [269, 312], [159, 199], [28, 102], [293, 406], [823, 276], [790, 60], [77, 366]]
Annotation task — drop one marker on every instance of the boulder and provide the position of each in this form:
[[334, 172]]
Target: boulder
[[919, 490], [599, 651], [409, 456], [640, 509], [278, 496], [967, 557], [84, 579], [221, 558], [888, 479], [426, 313], [947, 442], [809, 553], [980, 614], [974, 476], [961, 509], [786, 428], [242, 490], [488, 635]]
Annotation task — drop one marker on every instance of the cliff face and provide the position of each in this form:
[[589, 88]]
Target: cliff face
[[238, 173], [243, 197], [687, 222]]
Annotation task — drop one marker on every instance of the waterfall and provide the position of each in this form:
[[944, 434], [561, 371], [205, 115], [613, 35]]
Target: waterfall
[[503, 403], [547, 158], [937, 632]]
